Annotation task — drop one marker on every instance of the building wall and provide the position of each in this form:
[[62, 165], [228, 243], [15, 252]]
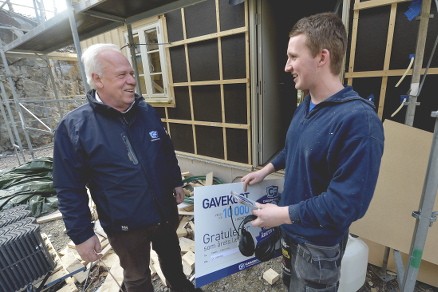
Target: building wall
[[381, 42], [209, 60], [209, 63]]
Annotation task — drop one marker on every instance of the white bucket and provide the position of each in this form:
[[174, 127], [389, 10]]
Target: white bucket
[[354, 265]]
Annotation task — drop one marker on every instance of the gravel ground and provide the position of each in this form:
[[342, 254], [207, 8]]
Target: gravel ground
[[248, 280]]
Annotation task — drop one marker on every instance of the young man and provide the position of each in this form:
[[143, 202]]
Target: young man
[[331, 157], [117, 147]]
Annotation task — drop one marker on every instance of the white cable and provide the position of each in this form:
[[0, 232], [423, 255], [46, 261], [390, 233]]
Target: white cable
[[406, 72], [399, 108], [109, 272]]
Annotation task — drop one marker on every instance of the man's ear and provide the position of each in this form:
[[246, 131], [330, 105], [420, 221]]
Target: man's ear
[[324, 57], [97, 80]]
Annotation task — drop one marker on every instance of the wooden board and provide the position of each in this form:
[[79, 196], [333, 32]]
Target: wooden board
[[50, 217], [388, 220]]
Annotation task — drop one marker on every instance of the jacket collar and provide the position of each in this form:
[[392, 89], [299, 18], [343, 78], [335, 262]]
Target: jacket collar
[[99, 106], [347, 94]]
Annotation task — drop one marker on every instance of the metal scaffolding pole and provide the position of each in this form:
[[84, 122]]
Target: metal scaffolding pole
[[40, 12], [418, 62], [75, 34], [425, 216], [15, 145], [131, 46], [17, 104]]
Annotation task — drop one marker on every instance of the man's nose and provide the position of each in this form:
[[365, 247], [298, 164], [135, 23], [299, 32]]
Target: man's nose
[[131, 79], [287, 67]]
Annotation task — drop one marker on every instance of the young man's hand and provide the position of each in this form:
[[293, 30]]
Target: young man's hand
[[257, 176], [270, 215]]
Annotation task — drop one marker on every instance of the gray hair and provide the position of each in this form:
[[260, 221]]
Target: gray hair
[[92, 64]]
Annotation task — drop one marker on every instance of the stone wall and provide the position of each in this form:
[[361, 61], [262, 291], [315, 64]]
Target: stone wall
[[34, 89]]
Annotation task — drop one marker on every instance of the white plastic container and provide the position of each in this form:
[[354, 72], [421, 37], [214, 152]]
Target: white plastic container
[[354, 265]]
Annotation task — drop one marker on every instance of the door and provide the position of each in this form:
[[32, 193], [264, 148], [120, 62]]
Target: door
[[273, 91], [276, 97]]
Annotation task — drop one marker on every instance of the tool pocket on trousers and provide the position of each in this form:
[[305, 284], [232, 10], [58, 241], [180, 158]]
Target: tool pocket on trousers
[[318, 264]]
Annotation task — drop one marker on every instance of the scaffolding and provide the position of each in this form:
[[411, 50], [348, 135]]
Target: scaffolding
[[80, 20], [24, 115]]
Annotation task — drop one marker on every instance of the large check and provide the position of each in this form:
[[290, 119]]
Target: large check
[[218, 218]]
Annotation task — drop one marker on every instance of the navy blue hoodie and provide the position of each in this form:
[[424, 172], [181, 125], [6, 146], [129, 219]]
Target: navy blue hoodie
[[125, 159], [331, 159]]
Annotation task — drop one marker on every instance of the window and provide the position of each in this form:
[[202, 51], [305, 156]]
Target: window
[[151, 63]]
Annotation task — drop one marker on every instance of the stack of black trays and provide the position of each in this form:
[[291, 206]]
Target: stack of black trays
[[24, 257]]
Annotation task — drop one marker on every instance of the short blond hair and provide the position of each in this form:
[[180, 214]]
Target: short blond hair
[[324, 31]]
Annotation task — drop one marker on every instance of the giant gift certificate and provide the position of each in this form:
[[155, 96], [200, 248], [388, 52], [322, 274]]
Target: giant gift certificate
[[218, 224]]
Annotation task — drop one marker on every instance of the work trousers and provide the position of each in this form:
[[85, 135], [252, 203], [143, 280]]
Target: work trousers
[[133, 249], [315, 268]]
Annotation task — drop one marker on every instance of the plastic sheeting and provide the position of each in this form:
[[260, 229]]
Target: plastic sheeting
[[30, 184]]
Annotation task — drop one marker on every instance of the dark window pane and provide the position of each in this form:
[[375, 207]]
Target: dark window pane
[[231, 16], [237, 145], [233, 56], [210, 141], [200, 19], [370, 54], [161, 112], [178, 61], [235, 103], [207, 103], [204, 64], [182, 109], [174, 25], [182, 137]]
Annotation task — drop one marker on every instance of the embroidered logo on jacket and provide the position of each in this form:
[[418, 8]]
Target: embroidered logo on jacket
[[154, 136]]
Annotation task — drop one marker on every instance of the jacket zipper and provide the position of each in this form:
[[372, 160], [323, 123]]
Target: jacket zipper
[[131, 154]]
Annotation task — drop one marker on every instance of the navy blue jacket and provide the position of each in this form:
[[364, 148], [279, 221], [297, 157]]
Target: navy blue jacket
[[331, 159], [125, 159]]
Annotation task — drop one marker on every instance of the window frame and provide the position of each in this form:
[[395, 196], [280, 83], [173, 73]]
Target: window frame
[[166, 97]]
